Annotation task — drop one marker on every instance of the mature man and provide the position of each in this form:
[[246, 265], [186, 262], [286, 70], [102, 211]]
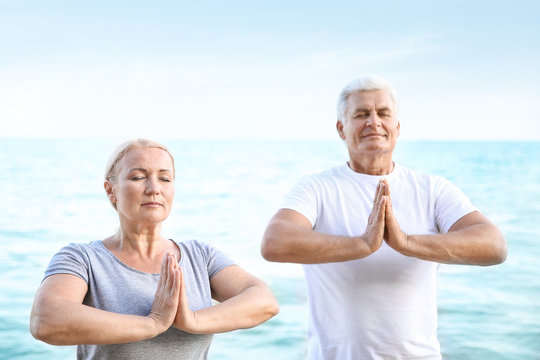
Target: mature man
[[372, 234]]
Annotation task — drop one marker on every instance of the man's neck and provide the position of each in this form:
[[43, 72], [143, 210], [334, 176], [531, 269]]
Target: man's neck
[[373, 166]]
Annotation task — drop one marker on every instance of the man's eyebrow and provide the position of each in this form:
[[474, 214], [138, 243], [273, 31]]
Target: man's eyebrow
[[361, 109]]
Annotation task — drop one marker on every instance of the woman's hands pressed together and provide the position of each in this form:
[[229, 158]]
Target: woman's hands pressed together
[[166, 300], [170, 306], [185, 319], [243, 301]]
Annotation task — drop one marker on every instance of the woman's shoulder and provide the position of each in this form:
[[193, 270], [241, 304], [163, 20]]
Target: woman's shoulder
[[84, 253], [90, 247], [200, 255], [73, 258], [199, 249], [194, 246]]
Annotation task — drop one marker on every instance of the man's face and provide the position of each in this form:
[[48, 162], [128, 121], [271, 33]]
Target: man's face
[[370, 123]]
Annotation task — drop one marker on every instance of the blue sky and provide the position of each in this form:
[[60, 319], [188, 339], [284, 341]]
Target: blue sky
[[466, 70]]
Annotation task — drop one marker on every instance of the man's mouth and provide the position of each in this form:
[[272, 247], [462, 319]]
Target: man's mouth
[[373, 135]]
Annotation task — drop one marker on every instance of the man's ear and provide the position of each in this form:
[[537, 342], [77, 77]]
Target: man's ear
[[339, 128], [398, 128]]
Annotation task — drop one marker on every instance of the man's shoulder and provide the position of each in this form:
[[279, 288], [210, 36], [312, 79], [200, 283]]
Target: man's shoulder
[[335, 172], [324, 178], [434, 183], [418, 175]]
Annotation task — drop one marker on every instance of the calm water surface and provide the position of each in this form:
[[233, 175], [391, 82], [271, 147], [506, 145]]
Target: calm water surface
[[226, 191]]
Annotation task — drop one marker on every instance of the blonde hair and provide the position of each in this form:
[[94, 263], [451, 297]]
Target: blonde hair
[[121, 151]]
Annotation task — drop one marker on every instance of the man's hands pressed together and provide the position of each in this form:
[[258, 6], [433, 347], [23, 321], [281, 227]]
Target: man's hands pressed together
[[472, 240], [382, 224]]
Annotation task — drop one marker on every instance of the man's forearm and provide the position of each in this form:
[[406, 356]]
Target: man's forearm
[[479, 244], [287, 242]]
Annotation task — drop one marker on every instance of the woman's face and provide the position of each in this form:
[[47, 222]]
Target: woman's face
[[144, 187]]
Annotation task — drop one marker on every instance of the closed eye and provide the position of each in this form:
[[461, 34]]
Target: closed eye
[[361, 116]]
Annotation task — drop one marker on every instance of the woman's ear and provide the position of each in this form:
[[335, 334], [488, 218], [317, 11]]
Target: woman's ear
[[110, 192]]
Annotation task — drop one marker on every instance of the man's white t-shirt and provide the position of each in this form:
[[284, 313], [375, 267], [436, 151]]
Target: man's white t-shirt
[[384, 305]]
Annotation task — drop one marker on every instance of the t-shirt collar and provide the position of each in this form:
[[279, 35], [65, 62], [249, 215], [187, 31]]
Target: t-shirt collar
[[367, 177]]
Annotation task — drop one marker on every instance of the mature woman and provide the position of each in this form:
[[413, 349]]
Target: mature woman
[[137, 294]]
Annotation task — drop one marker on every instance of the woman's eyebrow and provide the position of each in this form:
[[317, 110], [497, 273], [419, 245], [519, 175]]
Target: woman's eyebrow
[[145, 170], [138, 169]]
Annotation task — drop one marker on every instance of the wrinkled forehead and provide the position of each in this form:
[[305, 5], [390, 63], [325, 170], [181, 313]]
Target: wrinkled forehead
[[370, 100]]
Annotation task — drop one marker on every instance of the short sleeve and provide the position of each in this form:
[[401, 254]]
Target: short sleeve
[[303, 199], [217, 260], [451, 204], [71, 259]]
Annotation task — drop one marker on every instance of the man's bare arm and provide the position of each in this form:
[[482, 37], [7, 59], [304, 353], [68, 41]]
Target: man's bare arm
[[289, 237], [471, 240]]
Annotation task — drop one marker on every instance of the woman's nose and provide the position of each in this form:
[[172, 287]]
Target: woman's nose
[[152, 186]]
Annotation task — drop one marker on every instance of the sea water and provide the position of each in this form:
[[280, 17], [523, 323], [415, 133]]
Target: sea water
[[226, 191]]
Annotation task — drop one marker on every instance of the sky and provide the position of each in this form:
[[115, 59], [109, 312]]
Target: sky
[[463, 70]]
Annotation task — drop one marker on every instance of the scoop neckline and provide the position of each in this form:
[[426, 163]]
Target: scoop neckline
[[115, 258]]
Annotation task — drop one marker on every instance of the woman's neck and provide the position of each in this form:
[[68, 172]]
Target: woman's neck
[[143, 252]]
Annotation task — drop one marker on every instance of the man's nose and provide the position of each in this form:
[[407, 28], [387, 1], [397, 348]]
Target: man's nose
[[373, 120]]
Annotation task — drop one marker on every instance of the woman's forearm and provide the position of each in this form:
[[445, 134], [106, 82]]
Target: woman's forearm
[[62, 322], [251, 307], [58, 316]]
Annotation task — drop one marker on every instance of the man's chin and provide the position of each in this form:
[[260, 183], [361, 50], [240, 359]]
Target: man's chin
[[372, 147]]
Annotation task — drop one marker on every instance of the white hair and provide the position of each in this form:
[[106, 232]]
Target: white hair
[[366, 83]]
